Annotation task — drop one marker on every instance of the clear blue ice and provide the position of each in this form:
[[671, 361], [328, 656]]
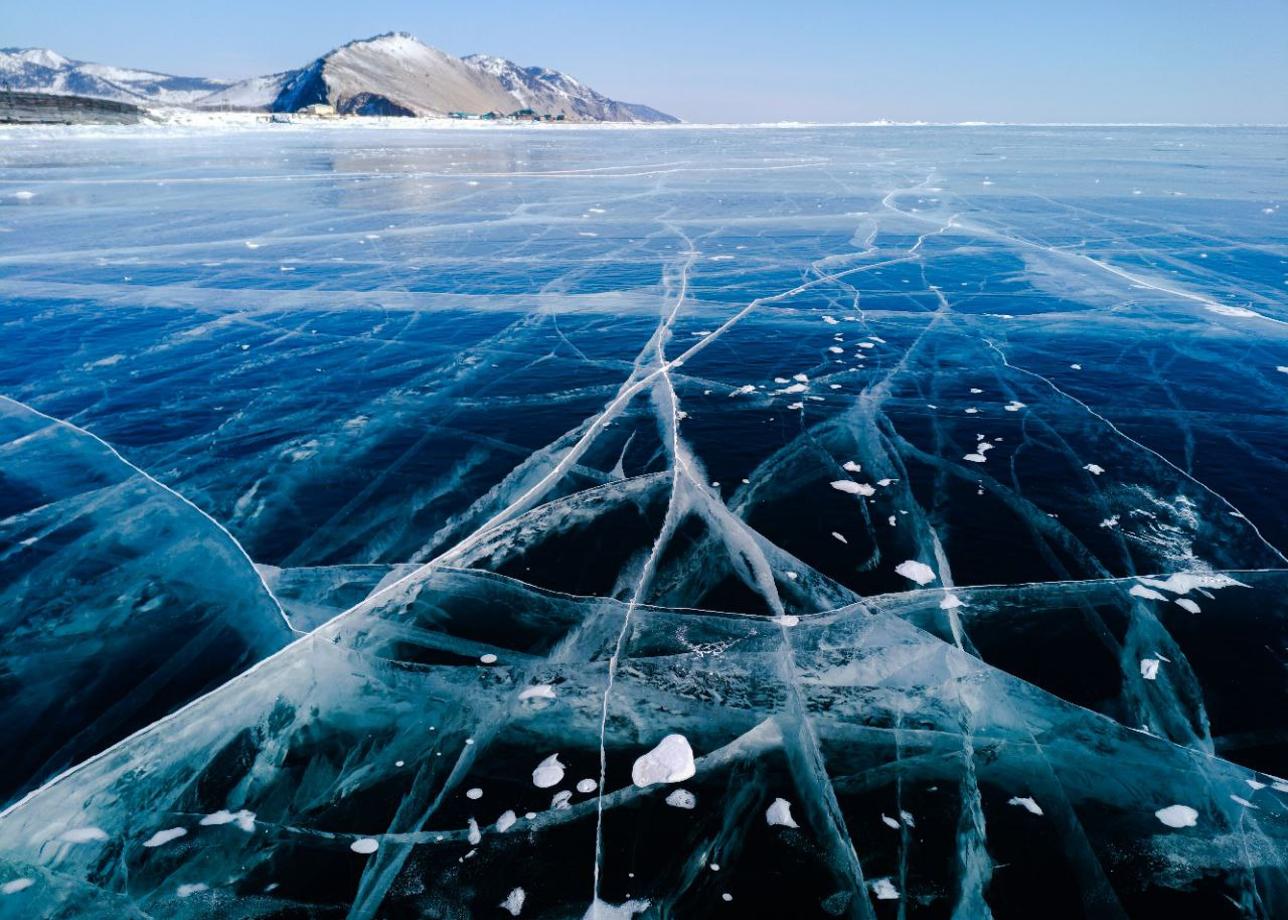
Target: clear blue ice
[[377, 504]]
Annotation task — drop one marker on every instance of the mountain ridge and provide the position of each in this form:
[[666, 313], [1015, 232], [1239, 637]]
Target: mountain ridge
[[393, 73]]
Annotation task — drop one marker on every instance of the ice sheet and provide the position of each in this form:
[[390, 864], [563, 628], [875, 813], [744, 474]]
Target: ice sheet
[[378, 508]]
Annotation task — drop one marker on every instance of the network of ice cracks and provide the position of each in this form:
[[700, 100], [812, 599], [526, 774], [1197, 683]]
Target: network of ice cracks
[[857, 524]]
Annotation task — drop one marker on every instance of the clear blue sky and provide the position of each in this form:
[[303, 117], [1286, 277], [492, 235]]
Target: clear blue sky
[[754, 60]]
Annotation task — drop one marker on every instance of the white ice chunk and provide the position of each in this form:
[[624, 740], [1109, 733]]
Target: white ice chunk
[[185, 891], [916, 571], [365, 845], [851, 487], [587, 785], [884, 890], [165, 836], [513, 902], [539, 692], [245, 820], [83, 835], [780, 813], [1187, 604], [550, 772], [1185, 582], [851, 467], [950, 602], [13, 886], [506, 821], [602, 910], [475, 793], [670, 762], [1148, 594], [682, 798], [1149, 668], [1177, 816], [1027, 803], [474, 835], [1094, 469]]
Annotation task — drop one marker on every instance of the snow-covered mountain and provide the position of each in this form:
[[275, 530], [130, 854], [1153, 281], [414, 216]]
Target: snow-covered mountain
[[396, 74], [551, 92], [40, 70]]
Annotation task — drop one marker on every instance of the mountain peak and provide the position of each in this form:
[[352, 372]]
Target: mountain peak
[[40, 57], [393, 73]]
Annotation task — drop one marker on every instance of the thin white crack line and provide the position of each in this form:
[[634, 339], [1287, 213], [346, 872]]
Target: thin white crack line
[[152, 479], [1122, 434], [645, 575]]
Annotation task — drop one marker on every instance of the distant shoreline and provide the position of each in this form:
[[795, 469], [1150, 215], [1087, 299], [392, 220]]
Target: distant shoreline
[[161, 119]]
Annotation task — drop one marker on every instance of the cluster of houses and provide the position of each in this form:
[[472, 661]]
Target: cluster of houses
[[520, 115], [326, 110]]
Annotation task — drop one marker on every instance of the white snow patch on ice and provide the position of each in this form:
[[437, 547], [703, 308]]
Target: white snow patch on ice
[[916, 571], [780, 813], [245, 820], [1026, 802], [513, 902], [1177, 816], [670, 762], [884, 890], [165, 836], [539, 692], [851, 487], [550, 772], [682, 798], [1185, 582]]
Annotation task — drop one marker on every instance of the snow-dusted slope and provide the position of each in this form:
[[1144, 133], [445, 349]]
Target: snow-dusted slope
[[255, 93], [40, 70], [390, 74], [551, 92], [394, 74]]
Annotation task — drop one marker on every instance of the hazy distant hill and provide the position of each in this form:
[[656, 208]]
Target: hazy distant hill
[[390, 74], [549, 91], [40, 70]]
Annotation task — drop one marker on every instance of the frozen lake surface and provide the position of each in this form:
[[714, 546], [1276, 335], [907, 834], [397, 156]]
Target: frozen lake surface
[[800, 522]]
